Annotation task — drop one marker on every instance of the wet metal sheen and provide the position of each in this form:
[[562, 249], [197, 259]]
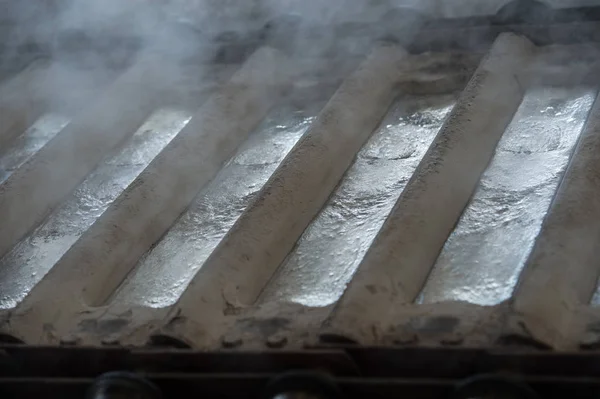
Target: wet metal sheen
[[164, 272], [483, 257], [31, 141], [26, 264], [331, 248]]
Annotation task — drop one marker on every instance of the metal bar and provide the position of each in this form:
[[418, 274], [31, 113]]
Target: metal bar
[[253, 386], [99, 261], [241, 265], [178, 173], [39, 185], [484, 256], [562, 271], [20, 361], [400, 259], [84, 362], [19, 107], [29, 261], [325, 257], [25, 146], [164, 272]]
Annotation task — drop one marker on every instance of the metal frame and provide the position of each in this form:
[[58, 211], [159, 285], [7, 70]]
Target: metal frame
[[355, 372]]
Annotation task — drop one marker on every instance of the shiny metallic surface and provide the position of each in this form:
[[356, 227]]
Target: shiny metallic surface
[[483, 257], [596, 297], [31, 141], [328, 253], [164, 272], [401, 224], [28, 262]]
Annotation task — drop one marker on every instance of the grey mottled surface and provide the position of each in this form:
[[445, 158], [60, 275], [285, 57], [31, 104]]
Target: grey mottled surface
[[27, 263], [164, 272], [483, 257], [31, 141], [331, 248]]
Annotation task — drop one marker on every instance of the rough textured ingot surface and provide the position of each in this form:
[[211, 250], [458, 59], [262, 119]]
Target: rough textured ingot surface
[[316, 272], [37, 186], [28, 261], [562, 271], [398, 263], [165, 271], [18, 151], [19, 107], [483, 257], [103, 256], [241, 265]]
